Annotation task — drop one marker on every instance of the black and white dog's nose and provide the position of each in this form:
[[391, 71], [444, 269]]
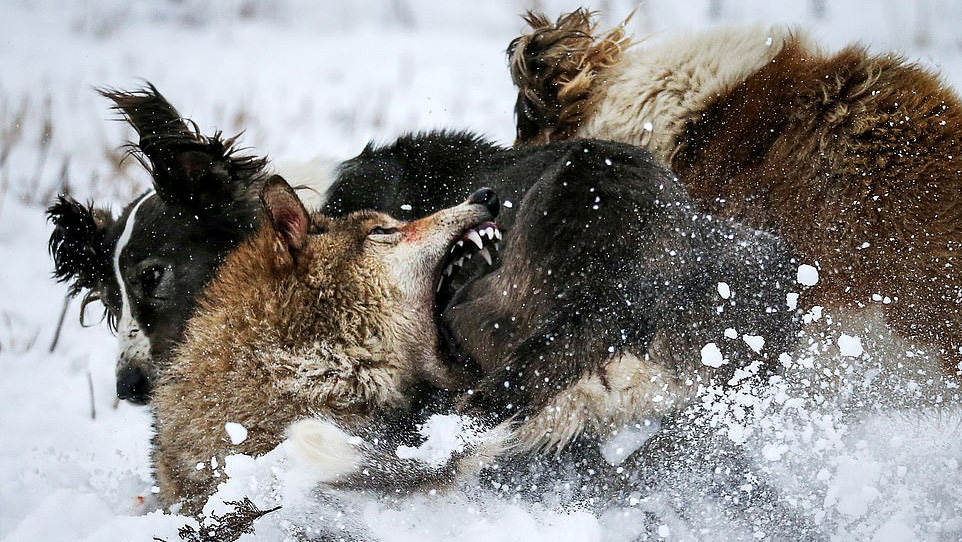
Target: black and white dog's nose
[[133, 385], [487, 197]]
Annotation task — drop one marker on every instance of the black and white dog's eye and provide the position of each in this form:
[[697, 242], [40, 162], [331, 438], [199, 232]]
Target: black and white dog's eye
[[150, 279], [378, 230]]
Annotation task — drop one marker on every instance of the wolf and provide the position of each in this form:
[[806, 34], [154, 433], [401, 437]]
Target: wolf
[[310, 315], [852, 157], [148, 265]]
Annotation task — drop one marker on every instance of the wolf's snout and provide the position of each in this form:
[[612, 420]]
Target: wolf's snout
[[133, 385], [487, 197]]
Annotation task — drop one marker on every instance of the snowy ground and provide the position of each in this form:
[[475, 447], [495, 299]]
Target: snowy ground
[[322, 78]]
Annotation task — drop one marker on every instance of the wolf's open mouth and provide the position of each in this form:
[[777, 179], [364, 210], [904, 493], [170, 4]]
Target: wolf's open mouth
[[480, 244], [471, 256]]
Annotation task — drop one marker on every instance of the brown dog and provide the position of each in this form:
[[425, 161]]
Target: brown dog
[[855, 159], [330, 318]]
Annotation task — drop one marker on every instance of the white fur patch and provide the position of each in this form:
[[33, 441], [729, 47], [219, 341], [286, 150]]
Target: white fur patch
[[324, 448], [634, 388], [133, 344], [652, 92]]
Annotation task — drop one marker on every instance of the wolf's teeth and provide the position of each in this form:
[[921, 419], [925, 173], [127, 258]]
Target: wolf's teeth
[[447, 270], [486, 255], [468, 256], [475, 238], [497, 234], [497, 246], [459, 262], [440, 284]]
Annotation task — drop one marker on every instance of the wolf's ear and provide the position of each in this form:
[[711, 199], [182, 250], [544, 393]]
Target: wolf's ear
[[78, 244], [286, 215], [203, 173]]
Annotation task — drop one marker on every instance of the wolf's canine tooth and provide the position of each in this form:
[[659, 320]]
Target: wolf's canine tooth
[[486, 255], [476, 238]]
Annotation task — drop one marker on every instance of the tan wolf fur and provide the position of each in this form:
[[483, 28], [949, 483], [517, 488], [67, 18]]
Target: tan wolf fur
[[319, 316], [854, 158]]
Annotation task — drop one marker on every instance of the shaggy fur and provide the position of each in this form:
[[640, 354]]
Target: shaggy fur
[[331, 318], [853, 158]]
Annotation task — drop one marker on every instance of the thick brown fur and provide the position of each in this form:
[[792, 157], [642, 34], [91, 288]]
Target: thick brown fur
[[335, 323], [854, 158], [557, 66]]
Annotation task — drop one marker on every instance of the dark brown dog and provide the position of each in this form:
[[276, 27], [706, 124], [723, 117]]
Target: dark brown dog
[[854, 158]]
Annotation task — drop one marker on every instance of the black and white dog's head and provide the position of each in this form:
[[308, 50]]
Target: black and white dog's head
[[149, 265]]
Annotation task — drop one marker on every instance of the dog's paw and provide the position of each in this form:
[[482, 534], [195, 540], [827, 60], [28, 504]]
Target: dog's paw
[[324, 448]]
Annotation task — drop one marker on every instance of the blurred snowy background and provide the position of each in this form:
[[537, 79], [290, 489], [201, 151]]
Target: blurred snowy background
[[312, 78]]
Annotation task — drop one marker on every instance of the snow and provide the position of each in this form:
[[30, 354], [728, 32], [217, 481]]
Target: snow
[[443, 435], [755, 342], [724, 290], [236, 432], [850, 346], [807, 275], [712, 356], [867, 445]]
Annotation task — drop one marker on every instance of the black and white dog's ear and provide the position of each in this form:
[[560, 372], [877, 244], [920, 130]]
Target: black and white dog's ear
[[188, 168], [78, 244], [286, 215]]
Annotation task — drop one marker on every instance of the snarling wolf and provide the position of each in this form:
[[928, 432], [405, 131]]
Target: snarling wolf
[[853, 158], [148, 265], [309, 316], [613, 299]]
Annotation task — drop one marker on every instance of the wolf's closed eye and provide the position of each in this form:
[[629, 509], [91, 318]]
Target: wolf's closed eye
[[378, 230]]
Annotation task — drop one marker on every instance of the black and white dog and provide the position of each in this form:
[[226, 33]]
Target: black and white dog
[[148, 265]]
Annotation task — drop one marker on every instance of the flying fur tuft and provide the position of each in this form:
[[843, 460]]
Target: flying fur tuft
[[555, 68]]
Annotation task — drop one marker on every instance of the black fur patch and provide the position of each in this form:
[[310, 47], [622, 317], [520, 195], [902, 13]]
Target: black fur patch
[[78, 244], [200, 172]]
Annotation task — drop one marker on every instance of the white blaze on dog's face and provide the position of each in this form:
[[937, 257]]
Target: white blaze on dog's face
[[134, 355]]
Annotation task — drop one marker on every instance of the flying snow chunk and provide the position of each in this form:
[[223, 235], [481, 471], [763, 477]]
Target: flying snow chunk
[[755, 342], [444, 435], [648, 126], [849, 346], [712, 356], [807, 275], [508, 203], [406, 207], [724, 290], [791, 299], [236, 432], [730, 333]]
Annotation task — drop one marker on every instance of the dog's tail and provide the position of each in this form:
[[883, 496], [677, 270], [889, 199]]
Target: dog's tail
[[339, 459], [555, 68]]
